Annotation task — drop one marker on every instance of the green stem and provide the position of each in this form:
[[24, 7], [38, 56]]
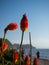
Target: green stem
[[4, 37], [2, 48], [2, 59], [30, 49], [21, 47]]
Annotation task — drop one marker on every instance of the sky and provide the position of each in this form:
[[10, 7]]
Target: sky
[[37, 12]]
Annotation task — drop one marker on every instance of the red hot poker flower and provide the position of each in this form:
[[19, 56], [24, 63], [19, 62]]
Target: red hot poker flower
[[35, 61], [11, 26], [24, 23], [27, 60], [3, 46], [15, 57], [24, 27]]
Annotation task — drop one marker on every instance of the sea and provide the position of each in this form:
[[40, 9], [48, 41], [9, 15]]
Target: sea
[[44, 53]]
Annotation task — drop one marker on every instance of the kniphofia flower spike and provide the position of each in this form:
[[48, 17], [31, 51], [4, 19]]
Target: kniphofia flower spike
[[24, 23], [23, 27], [15, 57], [11, 26]]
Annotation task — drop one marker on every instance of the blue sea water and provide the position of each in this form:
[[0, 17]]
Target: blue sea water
[[44, 53]]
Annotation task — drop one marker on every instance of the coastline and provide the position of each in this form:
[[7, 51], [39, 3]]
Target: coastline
[[43, 62]]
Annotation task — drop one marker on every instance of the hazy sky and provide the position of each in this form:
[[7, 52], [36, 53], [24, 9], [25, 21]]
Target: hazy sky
[[37, 12]]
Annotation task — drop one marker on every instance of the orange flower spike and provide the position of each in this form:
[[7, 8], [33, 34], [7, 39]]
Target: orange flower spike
[[5, 46], [15, 57], [23, 27], [35, 61], [27, 60], [11, 26], [24, 23]]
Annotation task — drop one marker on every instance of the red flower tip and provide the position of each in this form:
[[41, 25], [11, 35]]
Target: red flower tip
[[11, 26], [3, 46], [27, 60], [24, 23], [35, 61], [15, 57]]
